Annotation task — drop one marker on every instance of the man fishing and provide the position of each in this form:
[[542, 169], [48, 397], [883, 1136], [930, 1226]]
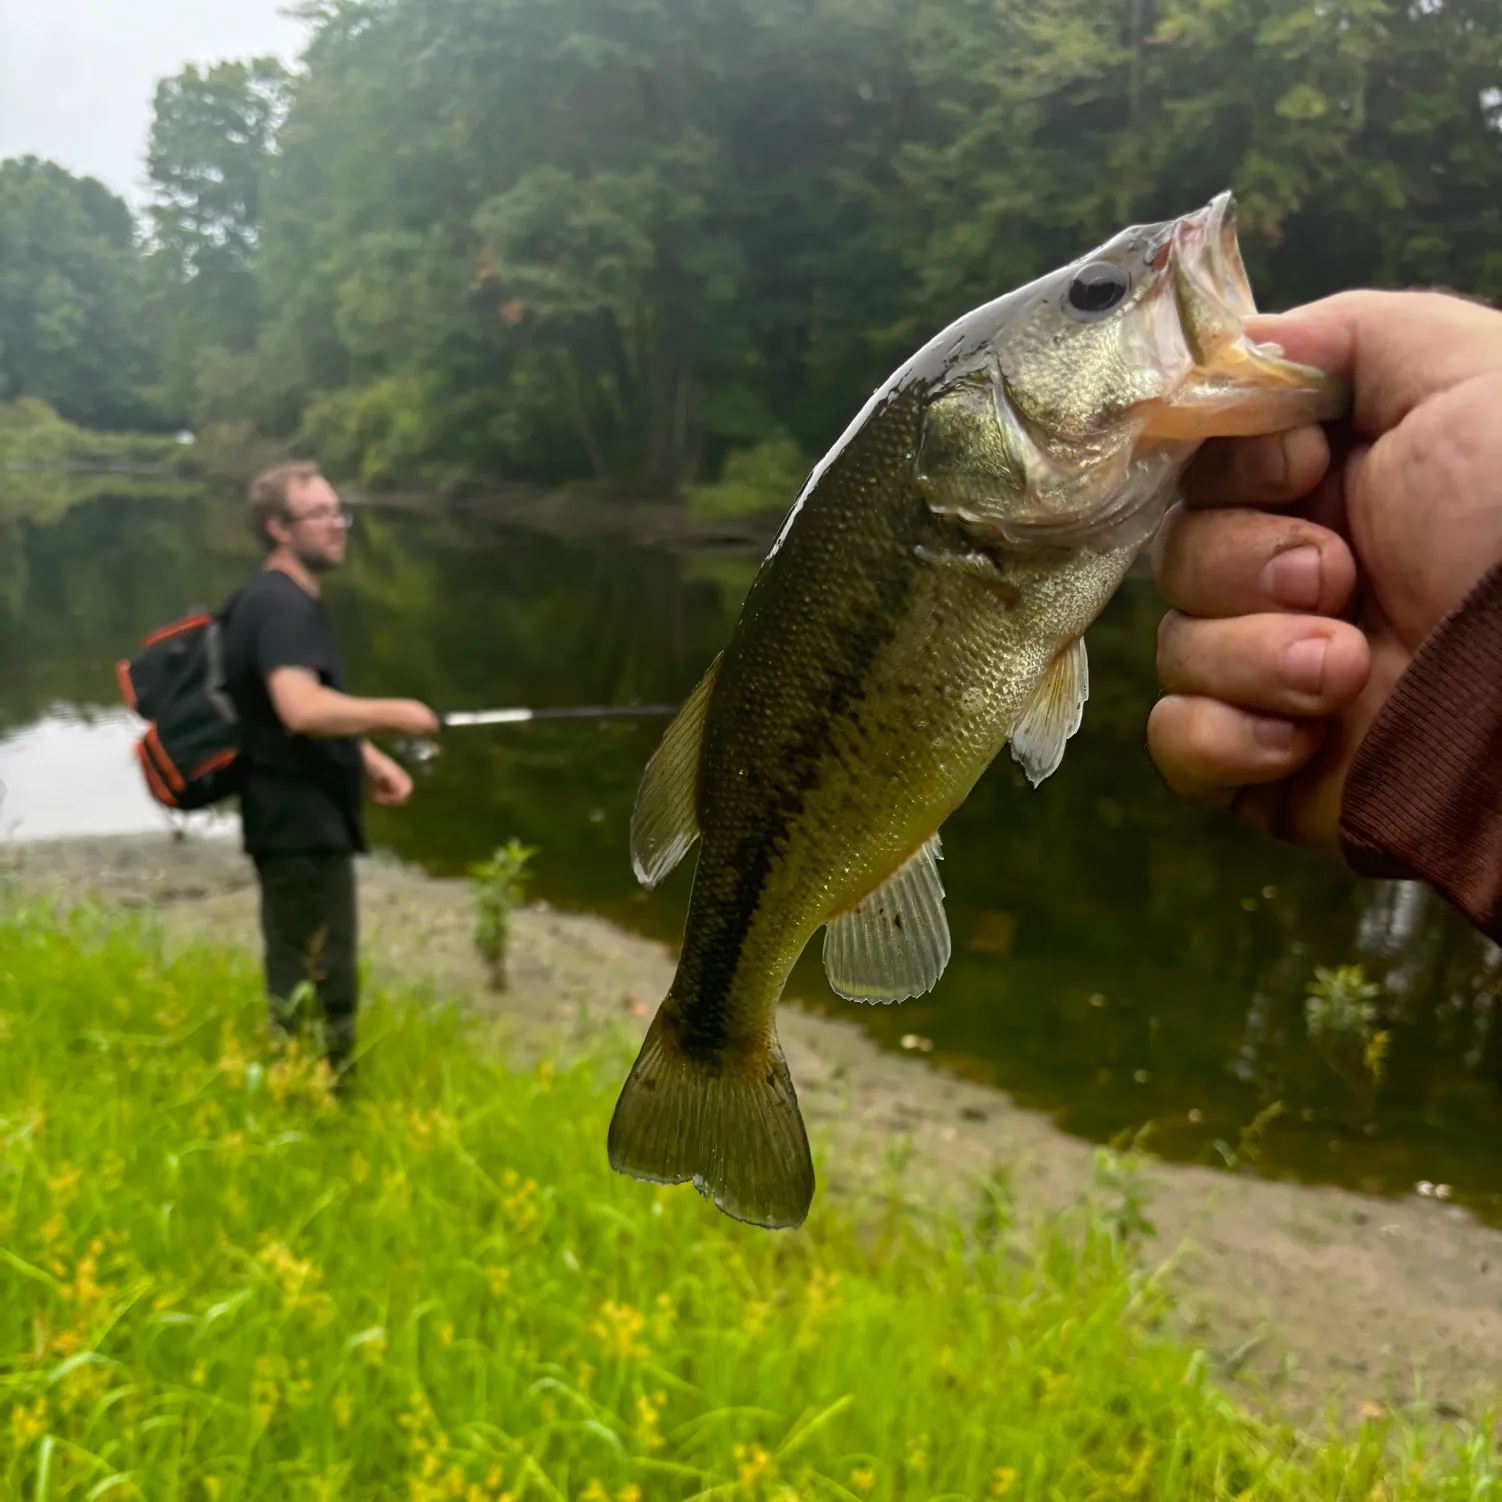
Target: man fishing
[[305, 756]]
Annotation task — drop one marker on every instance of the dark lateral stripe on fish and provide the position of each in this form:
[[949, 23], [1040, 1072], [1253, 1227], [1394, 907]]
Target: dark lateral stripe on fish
[[711, 968]]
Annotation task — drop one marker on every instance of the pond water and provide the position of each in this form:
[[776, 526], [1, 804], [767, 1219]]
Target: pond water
[[1119, 959]]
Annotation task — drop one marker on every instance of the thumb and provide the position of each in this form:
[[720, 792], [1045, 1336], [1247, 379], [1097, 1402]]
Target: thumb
[[1396, 349]]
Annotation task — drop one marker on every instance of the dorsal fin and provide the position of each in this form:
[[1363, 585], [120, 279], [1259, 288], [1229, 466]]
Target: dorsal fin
[[894, 943], [665, 821], [1053, 715]]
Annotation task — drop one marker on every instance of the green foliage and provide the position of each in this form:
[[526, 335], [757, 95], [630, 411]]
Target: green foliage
[[389, 431], [1339, 1014], [212, 135], [70, 297], [621, 242], [217, 1281], [1339, 1004], [606, 242], [50, 465], [755, 480], [498, 887]]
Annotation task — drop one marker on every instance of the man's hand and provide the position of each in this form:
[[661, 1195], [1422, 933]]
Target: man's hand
[[390, 785], [1303, 581]]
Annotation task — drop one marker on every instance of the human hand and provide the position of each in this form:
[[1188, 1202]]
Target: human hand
[[390, 784], [1304, 571], [411, 717]]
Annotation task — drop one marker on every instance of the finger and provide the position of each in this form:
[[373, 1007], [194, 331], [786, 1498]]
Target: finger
[[1225, 563], [1283, 664], [1208, 751], [1396, 348], [1273, 469]]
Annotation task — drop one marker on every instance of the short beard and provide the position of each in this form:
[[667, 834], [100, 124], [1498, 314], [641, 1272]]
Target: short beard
[[315, 563]]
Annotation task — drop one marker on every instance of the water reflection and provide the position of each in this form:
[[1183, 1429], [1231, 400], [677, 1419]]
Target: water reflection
[[1119, 959], [72, 773]]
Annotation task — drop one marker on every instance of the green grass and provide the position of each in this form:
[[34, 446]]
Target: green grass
[[215, 1282]]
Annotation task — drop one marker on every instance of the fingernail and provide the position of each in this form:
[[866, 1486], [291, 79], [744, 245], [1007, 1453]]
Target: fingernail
[[1292, 578], [1274, 735], [1304, 664]]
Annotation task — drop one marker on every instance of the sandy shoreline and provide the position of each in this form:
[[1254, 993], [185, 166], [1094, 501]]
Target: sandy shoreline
[[1328, 1294]]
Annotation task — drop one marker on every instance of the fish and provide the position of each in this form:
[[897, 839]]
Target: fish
[[924, 605]]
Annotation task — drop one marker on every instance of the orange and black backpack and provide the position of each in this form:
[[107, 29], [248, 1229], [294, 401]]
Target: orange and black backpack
[[190, 753]]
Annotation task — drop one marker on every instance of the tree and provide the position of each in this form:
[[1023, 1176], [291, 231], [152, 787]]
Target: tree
[[70, 297], [213, 135], [618, 242]]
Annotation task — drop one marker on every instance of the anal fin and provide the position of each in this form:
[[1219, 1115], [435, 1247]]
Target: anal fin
[[1054, 714], [665, 820], [894, 943]]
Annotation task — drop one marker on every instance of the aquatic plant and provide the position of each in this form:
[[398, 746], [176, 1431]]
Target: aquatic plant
[[1339, 1003], [1339, 1014]]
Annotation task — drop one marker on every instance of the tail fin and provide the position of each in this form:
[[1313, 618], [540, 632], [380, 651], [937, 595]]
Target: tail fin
[[729, 1124]]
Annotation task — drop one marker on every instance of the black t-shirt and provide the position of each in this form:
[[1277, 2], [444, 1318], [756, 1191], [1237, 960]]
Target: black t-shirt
[[300, 795]]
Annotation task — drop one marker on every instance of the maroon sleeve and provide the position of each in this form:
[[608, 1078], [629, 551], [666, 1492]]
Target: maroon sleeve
[[1424, 794]]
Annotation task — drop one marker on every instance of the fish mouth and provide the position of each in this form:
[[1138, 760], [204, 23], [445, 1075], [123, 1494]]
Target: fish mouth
[[1232, 386]]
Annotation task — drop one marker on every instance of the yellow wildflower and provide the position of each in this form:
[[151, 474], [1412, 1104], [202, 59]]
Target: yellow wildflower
[[28, 1424], [752, 1462], [617, 1327], [64, 1185]]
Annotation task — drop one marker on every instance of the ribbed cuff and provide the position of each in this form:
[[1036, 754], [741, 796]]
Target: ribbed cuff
[[1424, 794]]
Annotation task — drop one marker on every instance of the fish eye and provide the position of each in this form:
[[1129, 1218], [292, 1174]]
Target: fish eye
[[1097, 288]]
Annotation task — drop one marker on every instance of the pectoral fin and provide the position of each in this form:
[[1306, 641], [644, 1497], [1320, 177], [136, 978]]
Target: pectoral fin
[[1054, 714], [894, 943], [665, 821]]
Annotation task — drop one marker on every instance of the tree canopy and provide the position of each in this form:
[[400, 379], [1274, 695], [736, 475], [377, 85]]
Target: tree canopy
[[628, 243], [70, 297]]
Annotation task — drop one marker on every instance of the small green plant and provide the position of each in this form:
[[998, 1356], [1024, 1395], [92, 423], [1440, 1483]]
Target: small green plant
[[498, 886], [1339, 1003], [1340, 1015]]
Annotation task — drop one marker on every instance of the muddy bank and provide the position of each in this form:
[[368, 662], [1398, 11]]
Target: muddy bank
[[1309, 1294]]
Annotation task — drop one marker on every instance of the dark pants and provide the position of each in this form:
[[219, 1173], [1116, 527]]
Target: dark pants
[[311, 932]]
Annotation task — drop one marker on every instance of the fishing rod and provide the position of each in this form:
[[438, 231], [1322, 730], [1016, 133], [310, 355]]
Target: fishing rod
[[461, 718], [421, 752]]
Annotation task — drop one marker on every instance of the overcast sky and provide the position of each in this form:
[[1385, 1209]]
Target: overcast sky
[[76, 76]]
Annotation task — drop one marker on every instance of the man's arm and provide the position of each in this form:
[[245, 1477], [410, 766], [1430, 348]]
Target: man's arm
[[306, 707]]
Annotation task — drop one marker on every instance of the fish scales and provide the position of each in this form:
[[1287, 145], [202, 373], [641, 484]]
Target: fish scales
[[924, 604], [863, 685]]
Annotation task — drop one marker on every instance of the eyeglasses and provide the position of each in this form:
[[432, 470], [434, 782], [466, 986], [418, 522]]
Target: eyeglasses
[[326, 514]]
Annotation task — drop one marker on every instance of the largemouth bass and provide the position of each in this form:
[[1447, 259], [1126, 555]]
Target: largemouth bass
[[924, 604]]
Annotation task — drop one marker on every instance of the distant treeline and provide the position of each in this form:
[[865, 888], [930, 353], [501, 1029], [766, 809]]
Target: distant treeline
[[649, 245]]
